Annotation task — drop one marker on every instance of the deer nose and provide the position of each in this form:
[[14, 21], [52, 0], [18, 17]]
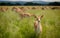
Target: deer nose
[[38, 21]]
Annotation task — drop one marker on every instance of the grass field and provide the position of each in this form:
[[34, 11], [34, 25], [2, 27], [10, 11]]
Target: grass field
[[11, 26]]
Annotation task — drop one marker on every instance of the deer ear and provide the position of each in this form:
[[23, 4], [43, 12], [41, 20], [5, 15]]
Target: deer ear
[[41, 16], [34, 16]]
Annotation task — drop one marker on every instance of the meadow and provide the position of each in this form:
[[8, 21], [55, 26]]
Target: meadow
[[12, 26]]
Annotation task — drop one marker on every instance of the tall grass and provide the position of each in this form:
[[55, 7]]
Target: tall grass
[[12, 26]]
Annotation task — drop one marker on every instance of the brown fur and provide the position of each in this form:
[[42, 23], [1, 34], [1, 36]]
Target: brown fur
[[36, 23], [3, 9]]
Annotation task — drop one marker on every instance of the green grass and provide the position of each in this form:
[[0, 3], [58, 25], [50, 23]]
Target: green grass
[[11, 26]]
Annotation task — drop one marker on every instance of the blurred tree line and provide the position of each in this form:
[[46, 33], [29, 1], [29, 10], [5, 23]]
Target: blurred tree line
[[3, 3], [54, 3], [30, 3]]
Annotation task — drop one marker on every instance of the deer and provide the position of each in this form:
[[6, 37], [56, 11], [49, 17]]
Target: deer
[[21, 12], [16, 9], [37, 24], [3, 9], [24, 15]]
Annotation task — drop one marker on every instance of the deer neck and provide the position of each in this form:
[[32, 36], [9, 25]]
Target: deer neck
[[38, 26]]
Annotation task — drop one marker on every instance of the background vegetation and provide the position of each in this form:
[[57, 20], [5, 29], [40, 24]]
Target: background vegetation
[[6, 3], [12, 26]]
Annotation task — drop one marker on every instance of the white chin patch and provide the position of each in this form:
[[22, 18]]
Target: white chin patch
[[39, 19]]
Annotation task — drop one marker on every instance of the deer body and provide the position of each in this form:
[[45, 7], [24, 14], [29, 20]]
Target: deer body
[[21, 12], [38, 27], [37, 24], [3, 9]]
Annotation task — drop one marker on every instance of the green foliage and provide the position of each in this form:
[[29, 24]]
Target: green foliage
[[12, 26]]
